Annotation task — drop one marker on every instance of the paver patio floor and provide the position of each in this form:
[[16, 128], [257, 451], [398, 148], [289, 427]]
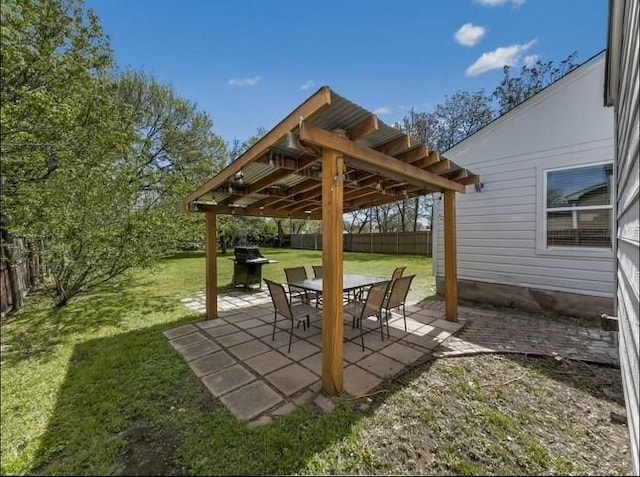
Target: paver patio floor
[[240, 363]]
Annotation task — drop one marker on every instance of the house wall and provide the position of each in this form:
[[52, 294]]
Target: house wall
[[623, 72], [502, 256]]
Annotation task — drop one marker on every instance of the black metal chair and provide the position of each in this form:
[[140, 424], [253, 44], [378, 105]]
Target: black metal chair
[[371, 306], [317, 273], [300, 313], [296, 274], [396, 298]]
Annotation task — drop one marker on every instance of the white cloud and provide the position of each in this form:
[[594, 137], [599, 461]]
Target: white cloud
[[307, 85], [470, 34], [240, 82], [382, 111], [531, 60], [497, 3], [505, 55]]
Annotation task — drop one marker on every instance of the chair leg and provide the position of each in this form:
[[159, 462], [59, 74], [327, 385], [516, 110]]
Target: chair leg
[[404, 316], [379, 317], [275, 318], [386, 316], [361, 335], [291, 336]]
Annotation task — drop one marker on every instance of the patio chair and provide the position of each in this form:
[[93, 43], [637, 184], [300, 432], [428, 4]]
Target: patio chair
[[396, 298], [296, 274], [397, 273], [317, 273], [300, 313], [371, 306]]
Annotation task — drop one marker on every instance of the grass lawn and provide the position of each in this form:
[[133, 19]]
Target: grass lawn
[[95, 388]]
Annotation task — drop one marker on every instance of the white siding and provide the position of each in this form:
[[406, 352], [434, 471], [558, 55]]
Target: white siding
[[500, 236], [628, 225]]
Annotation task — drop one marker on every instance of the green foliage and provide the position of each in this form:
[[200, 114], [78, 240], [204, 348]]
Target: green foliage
[[514, 90], [458, 117], [95, 164]]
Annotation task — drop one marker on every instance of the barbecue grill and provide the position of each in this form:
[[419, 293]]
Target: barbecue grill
[[247, 266]]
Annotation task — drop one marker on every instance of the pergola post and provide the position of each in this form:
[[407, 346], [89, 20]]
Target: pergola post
[[332, 243], [212, 266], [450, 258]]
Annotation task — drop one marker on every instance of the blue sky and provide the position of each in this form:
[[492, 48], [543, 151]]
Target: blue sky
[[248, 63]]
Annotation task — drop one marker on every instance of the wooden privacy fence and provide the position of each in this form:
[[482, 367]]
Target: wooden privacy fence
[[410, 243], [26, 269]]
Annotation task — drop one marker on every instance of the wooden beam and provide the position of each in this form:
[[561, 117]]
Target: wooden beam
[[364, 128], [396, 146], [306, 110], [296, 189], [441, 167], [332, 313], [211, 254], [386, 165], [417, 152], [271, 179], [250, 211], [470, 179], [450, 257], [432, 158]]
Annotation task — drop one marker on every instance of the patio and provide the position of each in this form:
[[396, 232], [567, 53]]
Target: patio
[[327, 157], [258, 381]]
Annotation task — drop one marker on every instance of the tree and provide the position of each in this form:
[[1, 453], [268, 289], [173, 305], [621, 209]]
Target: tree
[[533, 78], [94, 164], [60, 116], [459, 116]]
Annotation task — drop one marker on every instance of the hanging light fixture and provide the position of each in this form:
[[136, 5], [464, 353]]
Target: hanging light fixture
[[379, 185]]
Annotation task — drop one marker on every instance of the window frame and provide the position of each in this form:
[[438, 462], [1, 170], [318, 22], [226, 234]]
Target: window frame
[[542, 247]]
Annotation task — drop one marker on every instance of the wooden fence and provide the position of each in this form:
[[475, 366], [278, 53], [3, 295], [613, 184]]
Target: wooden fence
[[23, 273], [410, 243]]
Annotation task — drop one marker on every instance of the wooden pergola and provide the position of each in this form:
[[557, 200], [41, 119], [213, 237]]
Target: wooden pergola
[[328, 157]]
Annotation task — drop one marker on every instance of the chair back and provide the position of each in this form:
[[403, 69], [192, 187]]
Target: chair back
[[397, 273], [295, 274], [279, 298], [399, 291], [375, 299], [317, 271]]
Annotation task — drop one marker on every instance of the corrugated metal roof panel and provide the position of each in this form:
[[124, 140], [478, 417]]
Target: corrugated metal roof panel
[[340, 114], [344, 114]]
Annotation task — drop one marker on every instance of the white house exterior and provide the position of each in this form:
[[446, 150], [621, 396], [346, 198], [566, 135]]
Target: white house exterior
[[537, 235], [622, 92]]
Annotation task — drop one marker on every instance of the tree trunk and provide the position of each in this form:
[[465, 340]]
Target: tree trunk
[[34, 266], [14, 281], [415, 216]]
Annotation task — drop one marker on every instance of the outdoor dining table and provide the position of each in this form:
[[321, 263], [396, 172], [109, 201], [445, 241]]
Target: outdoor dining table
[[349, 283]]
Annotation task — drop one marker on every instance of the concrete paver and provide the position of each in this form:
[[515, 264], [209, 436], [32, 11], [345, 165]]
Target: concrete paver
[[186, 340], [248, 401], [199, 349], [211, 363], [267, 362], [291, 378], [257, 379], [227, 379]]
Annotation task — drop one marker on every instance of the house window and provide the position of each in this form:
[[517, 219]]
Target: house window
[[579, 206]]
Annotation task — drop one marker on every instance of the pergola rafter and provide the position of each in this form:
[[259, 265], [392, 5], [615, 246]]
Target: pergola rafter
[[327, 157]]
